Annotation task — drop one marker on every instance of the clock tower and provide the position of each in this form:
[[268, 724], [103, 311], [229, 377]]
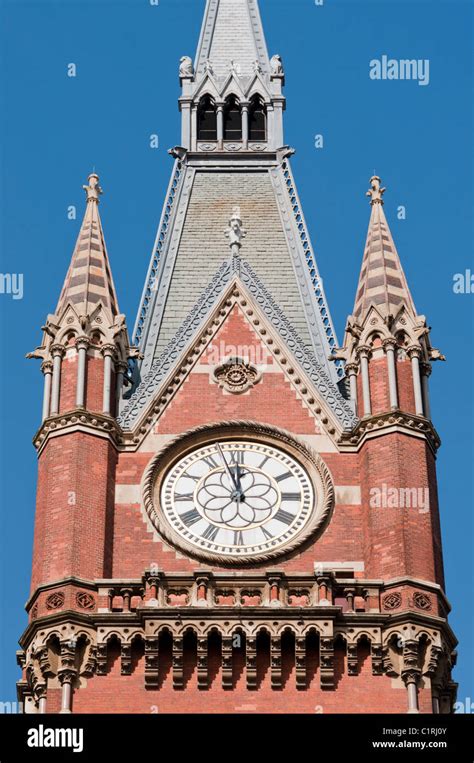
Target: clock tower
[[234, 513]]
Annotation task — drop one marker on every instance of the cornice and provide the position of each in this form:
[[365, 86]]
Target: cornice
[[388, 423], [78, 420]]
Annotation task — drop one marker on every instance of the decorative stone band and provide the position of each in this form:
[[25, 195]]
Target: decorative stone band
[[407, 650], [79, 419], [371, 427]]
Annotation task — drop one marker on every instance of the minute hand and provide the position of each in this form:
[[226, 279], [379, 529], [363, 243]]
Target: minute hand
[[226, 465]]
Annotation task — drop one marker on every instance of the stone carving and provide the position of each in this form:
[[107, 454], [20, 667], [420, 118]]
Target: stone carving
[[298, 598], [235, 68], [422, 601], [177, 598], [392, 600], [276, 66], [93, 189], [236, 376], [85, 600], [208, 67], [250, 598], [55, 600], [224, 597], [186, 68], [235, 232], [376, 192]]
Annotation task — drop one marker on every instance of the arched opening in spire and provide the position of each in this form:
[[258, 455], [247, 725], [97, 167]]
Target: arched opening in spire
[[232, 119], [207, 119], [257, 119]]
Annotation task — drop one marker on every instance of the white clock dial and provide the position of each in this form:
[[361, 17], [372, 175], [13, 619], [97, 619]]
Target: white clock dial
[[237, 499]]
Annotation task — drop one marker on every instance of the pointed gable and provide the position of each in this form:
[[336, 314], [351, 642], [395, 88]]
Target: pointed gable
[[382, 282], [89, 278]]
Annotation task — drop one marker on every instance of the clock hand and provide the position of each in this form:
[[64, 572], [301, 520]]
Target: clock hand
[[237, 473], [226, 465]]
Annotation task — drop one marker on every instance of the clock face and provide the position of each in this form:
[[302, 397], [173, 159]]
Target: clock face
[[239, 499]]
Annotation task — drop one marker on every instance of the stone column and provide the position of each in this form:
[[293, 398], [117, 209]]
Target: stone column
[[245, 125], [274, 582], [57, 351], [82, 345], [108, 352], [220, 125], [47, 369], [411, 673], [351, 371], [227, 672], [425, 375], [364, 354], [121, 370], [202, 583], [67, 673], [390, 347], [414, 353]]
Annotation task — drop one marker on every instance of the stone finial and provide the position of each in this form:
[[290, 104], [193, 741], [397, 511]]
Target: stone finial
[[186, 68], [235, 232], [93, 190], [276, 65], [257, 67], [376, 192], [208, 67], [235, 68]]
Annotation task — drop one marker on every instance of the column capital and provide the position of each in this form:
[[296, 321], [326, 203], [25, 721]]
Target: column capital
[[82, 342], [47, 367], [390, 343], [364, 351], [414, 351], [108, 350], [58, 350], [352, 368]]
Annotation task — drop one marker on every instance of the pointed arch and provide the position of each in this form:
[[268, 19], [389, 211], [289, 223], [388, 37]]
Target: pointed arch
[[232, 118], [257, 119], [207, 118]]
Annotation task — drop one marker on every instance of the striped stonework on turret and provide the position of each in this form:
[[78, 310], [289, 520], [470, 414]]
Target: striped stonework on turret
[[382, 281], [89, 279]]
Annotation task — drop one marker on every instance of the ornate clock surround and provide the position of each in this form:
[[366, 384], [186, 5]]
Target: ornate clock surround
[[173, 452]]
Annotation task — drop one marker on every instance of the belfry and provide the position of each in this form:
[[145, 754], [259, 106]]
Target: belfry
[[206, 538]]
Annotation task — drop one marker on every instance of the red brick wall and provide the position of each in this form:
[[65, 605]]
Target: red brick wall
[[74, 510], [398, 540]]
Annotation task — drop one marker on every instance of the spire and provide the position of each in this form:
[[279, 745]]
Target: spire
[[89, 278], [382, 281], [232, 38]]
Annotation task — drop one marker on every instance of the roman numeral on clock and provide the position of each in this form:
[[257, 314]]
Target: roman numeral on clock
[[211, 462], [179, 497], [238, 456], [190, 518], [284, 476], [284, 516], [291, 496], [210, 532], [268, 536], [238, 538]]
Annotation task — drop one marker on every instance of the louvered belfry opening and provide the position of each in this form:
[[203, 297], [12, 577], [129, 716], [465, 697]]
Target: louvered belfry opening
[[257, 119], [232, 119], [207, 119]]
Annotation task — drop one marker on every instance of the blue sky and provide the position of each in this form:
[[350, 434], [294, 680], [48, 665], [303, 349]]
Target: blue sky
[[55, 129]]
